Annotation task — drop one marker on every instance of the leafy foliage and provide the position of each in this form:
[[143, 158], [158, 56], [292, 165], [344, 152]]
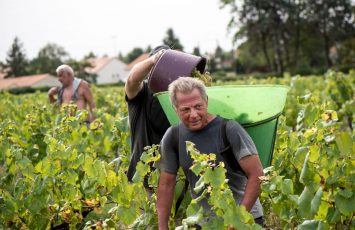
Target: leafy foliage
[[48, 59], [16, 62], [172, 41], [56, 172], [277, 34]]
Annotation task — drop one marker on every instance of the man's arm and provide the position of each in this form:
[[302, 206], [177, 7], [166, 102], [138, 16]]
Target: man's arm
[[136, 76], [51, 94], [89, 99], [165, 197], [253, 169]]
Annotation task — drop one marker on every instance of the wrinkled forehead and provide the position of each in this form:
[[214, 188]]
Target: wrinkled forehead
[[190, 99], [63, 73]]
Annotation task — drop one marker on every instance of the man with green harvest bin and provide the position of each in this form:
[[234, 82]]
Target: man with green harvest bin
[[189, 98]]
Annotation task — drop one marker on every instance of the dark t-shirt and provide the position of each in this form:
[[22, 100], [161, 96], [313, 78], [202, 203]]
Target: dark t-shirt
[[148, 124], [209, 140]]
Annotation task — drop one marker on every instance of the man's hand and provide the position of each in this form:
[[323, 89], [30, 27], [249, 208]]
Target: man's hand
[[51, 94], [157, 56], [134, 83]]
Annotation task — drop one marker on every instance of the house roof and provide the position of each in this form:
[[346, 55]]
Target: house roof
[[22, 81], [138, 59], [97, 64]]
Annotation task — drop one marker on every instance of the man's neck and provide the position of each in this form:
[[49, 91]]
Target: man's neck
[[210, 117], [70, 85]]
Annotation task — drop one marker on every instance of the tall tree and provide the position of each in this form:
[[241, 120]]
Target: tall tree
[[90, 55], [136, 52], [197, 51], [172, 41], [148, 49], [48, 59], [281, 30], [333, 20], [80, 68], [16, 61]]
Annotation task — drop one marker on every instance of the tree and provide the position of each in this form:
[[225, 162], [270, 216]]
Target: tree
[[333, 21], [136, 52], [80, 67], [196, 51], [48, 59], [172, 41], [89, 55], [280, 31], [16, 61], [148, 49]]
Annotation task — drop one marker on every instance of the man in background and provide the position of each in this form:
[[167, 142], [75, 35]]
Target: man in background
[[73, 89]]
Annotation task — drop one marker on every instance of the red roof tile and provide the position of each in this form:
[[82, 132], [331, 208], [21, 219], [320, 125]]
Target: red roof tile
[[97, 64], [22, 81]]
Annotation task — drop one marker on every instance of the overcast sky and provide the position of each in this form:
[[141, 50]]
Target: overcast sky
[[111, 26]]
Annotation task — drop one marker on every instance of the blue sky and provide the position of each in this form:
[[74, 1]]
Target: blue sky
[[111, 26]]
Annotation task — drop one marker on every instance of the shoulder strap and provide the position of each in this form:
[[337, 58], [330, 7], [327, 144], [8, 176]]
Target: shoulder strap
[[76, 84], [224, 132], [175, 132], [228, 155], [176, 136], [60, 94]]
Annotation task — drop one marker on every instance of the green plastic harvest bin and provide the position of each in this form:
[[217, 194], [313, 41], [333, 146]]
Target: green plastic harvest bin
[[255, 107]]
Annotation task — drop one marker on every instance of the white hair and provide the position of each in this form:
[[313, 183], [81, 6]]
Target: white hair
[[185, 85], [65, 69]]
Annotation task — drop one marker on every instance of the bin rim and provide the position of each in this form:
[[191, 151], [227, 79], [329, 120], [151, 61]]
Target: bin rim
[[234, 86]]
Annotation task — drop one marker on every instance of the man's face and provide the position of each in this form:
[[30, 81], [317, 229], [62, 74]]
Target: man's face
[[192, 109], [65, 78]]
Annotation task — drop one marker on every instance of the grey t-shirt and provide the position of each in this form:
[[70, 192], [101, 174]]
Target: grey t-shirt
[[209, 140]]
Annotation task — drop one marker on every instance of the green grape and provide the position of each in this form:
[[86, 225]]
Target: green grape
[[204, 77]]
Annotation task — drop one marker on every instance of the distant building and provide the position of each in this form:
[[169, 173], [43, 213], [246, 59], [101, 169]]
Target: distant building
[[34, 81], [108, 70]]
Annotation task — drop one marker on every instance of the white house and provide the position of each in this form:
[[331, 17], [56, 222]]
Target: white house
[[34, 81], [108, 70]]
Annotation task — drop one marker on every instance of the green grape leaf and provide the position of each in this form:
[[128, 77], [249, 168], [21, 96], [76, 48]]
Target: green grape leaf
[[215, 223], [344, 202], [127, 214], [311, 225], [200, 184], [141, 171], [88, 166], [305, 172], [215, 177], [333, 215], [316, 201], [344, 143], [287, 187], [304, 203]]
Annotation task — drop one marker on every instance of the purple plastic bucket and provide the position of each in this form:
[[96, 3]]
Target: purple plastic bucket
[[171, 65]]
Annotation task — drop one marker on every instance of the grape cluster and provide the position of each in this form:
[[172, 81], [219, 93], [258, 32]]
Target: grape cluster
[[204, 77]]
